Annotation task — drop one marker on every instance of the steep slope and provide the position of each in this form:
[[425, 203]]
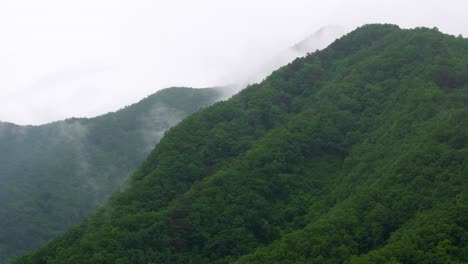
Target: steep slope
[[357, 153], [319, 39], [316, 41], [53, 176]]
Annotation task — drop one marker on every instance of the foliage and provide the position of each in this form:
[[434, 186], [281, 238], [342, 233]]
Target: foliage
[[55, 175], [354, 154]]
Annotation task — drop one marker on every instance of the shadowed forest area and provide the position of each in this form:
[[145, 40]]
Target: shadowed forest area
[[55, 175]]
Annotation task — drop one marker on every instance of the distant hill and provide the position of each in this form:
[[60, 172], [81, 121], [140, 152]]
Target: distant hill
[[52, 176], [354, 154]]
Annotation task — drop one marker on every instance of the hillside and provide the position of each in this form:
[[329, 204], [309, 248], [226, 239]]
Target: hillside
[[319, 40], [55, 175], [354, 154]]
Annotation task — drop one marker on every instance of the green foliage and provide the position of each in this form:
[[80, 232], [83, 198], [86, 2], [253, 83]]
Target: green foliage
[[55, 175], [354, 154]]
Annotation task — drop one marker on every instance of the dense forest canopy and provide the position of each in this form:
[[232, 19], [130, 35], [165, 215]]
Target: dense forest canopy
[[55, 175], [353, 154]]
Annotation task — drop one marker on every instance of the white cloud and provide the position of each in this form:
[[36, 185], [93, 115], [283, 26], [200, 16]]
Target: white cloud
[[86, 57]]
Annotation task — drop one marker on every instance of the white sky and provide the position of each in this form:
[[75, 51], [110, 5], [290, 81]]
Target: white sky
[[60, 58]]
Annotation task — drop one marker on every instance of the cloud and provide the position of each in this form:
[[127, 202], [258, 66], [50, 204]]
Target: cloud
[[84, 58], [156, 122]]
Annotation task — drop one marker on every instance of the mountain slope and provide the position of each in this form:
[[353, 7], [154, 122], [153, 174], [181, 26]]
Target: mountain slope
[[316, 41], [357, 153], [53, 176]]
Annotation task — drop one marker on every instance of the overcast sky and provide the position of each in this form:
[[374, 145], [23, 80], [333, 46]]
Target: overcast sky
[[60, 59]]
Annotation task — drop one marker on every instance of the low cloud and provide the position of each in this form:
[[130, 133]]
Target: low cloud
[[156, 122], [106, 54]]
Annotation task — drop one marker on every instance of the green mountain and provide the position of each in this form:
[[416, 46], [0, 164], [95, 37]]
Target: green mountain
[[354, 154], [55, 175]]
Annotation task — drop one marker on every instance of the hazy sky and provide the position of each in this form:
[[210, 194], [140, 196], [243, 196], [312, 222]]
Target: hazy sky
[[60, 59]]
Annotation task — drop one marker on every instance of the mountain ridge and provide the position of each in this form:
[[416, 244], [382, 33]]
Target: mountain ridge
[[48, 173], [353, 154]]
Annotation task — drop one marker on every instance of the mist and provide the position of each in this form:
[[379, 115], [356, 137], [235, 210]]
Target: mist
[[85, 58], [156, 122]]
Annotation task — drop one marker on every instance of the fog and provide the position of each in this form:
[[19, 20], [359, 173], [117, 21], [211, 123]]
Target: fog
[[83, 58], [156, 122]]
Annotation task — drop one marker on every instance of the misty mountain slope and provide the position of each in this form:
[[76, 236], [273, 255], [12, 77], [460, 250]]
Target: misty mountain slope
[[320, 39], [354, 154], [250, 73], [316, 41], [53, 176]]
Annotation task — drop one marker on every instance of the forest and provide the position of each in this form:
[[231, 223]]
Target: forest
[[353, 154], [55, 175]]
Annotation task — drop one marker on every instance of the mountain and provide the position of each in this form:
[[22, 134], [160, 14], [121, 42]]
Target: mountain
[[353, 154], [316, 41], [53, 176], [319, 40]]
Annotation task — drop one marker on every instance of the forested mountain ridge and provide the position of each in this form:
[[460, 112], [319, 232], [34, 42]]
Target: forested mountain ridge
[[53, 176], [354, 154]]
